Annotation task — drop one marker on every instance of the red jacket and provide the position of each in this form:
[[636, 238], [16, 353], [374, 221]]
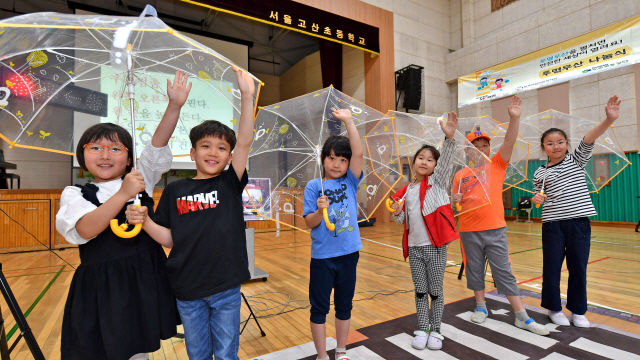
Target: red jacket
[[440, 224]]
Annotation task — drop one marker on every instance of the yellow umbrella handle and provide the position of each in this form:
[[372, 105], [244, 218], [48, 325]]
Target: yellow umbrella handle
[[458, 207], [121, 230], [541, 193], [331, 226], [390, 202]]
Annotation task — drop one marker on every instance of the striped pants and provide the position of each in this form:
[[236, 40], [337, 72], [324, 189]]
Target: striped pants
[[427, 270]]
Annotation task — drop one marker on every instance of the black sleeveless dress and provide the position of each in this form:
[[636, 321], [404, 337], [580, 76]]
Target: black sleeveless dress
[[120, 302]]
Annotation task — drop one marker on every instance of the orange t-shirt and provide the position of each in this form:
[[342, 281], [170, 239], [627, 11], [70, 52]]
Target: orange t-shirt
[[487, 217]]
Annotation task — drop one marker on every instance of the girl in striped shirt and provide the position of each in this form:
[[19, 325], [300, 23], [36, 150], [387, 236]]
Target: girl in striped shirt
[[566, 229]]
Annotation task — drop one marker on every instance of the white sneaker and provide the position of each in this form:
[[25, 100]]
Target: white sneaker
[[558, 318], [580, 321], [420, 341], [435, 340], [479, 316], [532, 326]]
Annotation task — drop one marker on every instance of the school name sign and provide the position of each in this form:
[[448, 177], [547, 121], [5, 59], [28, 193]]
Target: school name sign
[[302, 18], [601, 50]]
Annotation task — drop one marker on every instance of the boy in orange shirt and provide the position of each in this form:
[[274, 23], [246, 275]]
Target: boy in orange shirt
[[483, 231]]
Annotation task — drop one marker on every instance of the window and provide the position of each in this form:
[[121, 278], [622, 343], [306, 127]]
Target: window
[[406, 171]]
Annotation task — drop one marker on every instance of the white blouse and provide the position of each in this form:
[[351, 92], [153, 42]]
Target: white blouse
[[152, 164]]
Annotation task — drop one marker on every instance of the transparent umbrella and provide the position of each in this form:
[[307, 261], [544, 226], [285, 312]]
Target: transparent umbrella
[[62, 73], [414, 130], [608, 158], [287, 145]]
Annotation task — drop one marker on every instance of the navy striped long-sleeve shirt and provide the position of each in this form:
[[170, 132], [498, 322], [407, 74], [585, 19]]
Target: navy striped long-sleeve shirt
[[566, 186]]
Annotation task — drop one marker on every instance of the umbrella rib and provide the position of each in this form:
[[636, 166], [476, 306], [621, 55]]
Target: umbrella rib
[[10, 113], [103, 34], [98, 41], [73, 57]]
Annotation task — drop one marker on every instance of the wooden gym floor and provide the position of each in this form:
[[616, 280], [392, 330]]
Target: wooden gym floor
[[40, 282]]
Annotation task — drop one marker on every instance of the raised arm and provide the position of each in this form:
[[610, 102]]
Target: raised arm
[[515, 109], [245, 127], [444, 167], [357, 152], [613, 111], [178, 93]]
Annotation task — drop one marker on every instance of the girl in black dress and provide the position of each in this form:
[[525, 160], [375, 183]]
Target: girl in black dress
[[120, 304]]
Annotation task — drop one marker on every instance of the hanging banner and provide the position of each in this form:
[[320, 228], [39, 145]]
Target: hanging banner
[[606, 49], [299, 17]]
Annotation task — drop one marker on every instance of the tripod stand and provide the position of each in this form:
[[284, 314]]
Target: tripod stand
[[25, 331], [252, 315]]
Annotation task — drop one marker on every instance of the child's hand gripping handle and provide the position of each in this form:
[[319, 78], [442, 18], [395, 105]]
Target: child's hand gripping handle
[[541, 193], [331, 226], [121, 230], [390, 202]]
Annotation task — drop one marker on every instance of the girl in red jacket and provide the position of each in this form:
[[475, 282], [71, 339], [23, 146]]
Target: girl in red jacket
[[428, 226]]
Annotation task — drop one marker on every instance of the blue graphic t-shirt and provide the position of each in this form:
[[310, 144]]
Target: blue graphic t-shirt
[[343, 212]]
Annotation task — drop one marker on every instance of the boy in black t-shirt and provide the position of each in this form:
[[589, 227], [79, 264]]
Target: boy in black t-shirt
[[201, 220]]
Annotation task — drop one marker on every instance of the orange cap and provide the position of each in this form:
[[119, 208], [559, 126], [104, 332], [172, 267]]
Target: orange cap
[[477, 135]]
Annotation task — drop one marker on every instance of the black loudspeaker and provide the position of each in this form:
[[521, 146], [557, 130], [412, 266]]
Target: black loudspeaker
[[409, 84]]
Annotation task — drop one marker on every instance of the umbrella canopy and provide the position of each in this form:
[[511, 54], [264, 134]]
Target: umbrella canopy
[[517, 168], [287, 149], [61, 72], [608, 158], [414, 130]]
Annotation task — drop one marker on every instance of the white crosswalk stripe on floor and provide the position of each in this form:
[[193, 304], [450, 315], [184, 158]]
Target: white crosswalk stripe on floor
[[403, 341], [603, 350], [556, 356], [512, 331]]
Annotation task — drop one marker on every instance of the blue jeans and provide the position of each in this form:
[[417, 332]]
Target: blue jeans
[[571, 239], [212, 325]]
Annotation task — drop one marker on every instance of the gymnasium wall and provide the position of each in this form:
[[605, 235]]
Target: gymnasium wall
[[422, 36], [305, 77], [490, 38]]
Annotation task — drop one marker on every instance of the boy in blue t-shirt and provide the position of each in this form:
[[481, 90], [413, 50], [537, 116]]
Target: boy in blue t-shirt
[[334, 253]]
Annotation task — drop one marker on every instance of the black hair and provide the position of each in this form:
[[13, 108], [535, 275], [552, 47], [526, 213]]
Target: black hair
[[212, 128], [339, 145], [551, 131], [499, 79], [434, 152], [484, 77], [111, 132]]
